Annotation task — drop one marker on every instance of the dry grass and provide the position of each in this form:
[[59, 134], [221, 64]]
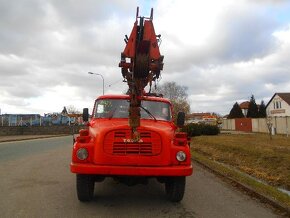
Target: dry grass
[[254, 154], [263, 189]]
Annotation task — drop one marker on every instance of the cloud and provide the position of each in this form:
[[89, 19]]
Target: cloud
[[224, 33], [222, 53]]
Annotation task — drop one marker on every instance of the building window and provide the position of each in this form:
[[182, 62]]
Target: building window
[[277, 104]]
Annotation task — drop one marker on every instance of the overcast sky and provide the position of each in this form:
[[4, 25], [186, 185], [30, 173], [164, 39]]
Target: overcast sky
[[223, 51]]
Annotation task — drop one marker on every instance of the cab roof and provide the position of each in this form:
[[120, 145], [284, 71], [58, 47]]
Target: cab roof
[[127, 97]]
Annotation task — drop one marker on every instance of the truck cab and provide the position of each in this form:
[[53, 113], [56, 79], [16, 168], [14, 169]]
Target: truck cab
[[106, 147]]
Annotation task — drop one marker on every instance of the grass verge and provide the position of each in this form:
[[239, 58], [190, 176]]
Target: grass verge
[[230, 171], [254, 154]]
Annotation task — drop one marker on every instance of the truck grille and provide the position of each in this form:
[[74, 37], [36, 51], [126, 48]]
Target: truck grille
[[119, 143]]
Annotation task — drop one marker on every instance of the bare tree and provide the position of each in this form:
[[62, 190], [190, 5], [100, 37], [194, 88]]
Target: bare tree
[[72, 110], [173, 91], [177, 94]]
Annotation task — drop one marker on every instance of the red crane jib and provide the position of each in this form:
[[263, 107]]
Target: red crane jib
[[143, 51], [140, 64], [149, 36]]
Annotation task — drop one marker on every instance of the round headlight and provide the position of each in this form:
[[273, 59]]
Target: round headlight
[[181, 156], [82, 153]]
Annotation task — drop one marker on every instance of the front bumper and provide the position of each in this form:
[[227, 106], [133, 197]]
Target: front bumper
[[82, 168]]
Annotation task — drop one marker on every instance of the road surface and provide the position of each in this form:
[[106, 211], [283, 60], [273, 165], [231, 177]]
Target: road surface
[[36, 182]]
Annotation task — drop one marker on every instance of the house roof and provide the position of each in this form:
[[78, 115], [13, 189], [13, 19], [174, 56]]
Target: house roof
[[284, 95], [245, 105], [194, 115]]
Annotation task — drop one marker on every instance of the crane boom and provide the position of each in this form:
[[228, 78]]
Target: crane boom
[[143, 67]]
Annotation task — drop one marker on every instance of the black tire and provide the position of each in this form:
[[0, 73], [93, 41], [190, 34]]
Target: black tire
[[174, 187], [85, 187]]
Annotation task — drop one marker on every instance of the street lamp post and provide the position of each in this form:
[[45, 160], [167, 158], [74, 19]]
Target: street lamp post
[[102, 78]]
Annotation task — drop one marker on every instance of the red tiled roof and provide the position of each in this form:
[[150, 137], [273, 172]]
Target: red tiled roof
[[285, 97], [198, 115], [245, 105]]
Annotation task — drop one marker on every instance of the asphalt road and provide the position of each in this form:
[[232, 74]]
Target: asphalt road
[[36, 182]]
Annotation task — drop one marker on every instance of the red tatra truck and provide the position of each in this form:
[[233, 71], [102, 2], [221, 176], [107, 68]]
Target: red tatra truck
[[106, 148]]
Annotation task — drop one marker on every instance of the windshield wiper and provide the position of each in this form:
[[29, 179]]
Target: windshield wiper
[[148, 112]]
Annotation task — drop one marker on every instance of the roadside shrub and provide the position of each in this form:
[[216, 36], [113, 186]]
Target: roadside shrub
[[209, 130], [194, 129]]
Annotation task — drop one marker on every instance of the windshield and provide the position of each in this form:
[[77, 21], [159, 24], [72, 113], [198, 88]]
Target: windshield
[[118, 108]]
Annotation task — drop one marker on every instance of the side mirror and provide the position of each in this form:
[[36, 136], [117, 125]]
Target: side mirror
[[85, 114], [180, 119]]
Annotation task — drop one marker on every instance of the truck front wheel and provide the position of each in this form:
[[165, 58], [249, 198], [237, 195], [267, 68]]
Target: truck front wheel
[[85, 187], [174, 187]]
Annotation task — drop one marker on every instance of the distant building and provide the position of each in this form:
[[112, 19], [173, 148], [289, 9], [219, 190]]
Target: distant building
[[206, 118], [245, 107], [279, 105], [19, 119]]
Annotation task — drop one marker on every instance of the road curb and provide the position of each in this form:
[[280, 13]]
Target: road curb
[[31, 138], [249, 190]]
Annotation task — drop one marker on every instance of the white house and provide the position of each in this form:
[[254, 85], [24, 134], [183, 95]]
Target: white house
[[279, 105]]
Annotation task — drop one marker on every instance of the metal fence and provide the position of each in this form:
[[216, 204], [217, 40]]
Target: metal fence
[[38, 120]]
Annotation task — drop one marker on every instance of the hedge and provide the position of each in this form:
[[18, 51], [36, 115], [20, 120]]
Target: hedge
[[194, 129]]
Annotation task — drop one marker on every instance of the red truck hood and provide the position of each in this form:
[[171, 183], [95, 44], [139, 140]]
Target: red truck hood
[[156, 135], [105, 125]]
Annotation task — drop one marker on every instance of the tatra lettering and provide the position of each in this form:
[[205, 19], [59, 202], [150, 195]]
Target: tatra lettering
[[132, 140]]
